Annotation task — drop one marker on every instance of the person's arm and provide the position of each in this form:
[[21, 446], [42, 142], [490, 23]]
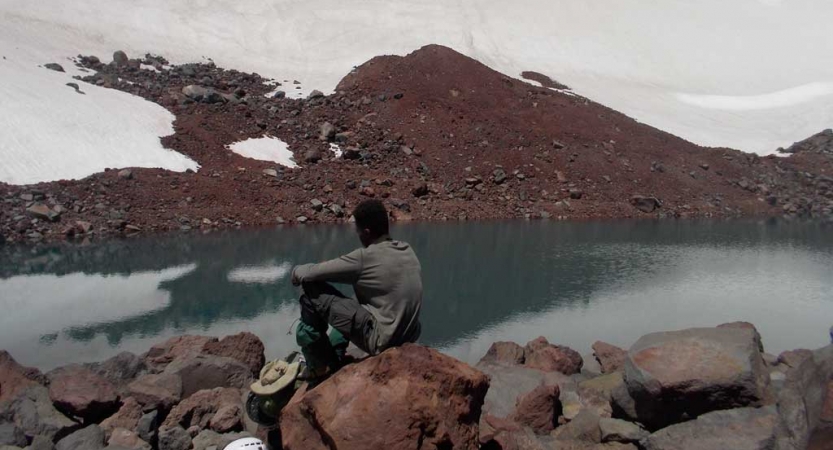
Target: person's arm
[[345, 269]]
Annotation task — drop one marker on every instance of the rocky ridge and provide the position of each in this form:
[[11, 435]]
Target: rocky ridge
[[695, 389], [435, 135]]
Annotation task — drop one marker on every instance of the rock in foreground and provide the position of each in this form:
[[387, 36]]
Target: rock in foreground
[[691, 372], [737, 429], [405, 398]]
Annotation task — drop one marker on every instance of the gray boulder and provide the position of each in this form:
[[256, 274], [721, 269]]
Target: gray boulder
[[677, 374], [584, 427], [617, 430], [509, 383], [156, 391], [42, 443], [207, 372], [10, 434], [801, 399], [736, 429], [54, 66], [174, 438], [89, 438], [120, 58], [33, 412]]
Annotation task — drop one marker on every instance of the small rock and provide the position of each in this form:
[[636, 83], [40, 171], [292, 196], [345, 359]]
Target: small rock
[[507, 353], [704, 166], [557, 145], [327, 132], [539, 409], [315, 94], [54, 66], [420, 190], [540, 354], [610, 357], [89, 438], [120, 58], [279, 95], [645, 204], [302, 219], [736, 429], [126, 174], [617, 430], [43, 212], [317, 205], [313, 155], [174, 438], [337, 210], [10, 434], [576, 194], [584, 428], [270, 173], [147, 426], [367, 191], [499, 176]]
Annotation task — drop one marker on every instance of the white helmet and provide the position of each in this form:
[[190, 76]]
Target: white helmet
[[246, 444]]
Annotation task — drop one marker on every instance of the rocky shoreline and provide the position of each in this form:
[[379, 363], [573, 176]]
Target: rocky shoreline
[[702, 388], [435, 135]]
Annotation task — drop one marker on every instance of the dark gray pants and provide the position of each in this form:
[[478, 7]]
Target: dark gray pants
[[323, 304]]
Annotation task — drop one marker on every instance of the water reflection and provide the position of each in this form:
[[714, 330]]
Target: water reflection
[[572, 282]]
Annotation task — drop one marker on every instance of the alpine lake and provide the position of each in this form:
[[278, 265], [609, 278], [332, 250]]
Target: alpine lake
[[572, 282]]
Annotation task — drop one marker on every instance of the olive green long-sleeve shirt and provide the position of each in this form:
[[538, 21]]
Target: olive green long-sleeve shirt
[[387, 279]]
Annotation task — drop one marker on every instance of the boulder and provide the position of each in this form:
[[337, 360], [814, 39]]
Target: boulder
[[208, 440], [315, 94], [509, 383], [14, 378], [327, 132], [244, 347], [126, 174], [736, 429], [540, 354], [160, 355], [313, 155], [89, 438], [54, 66], [207, 372], [610, 357], [584, 428], [410, 396], [127, 417], [801, 399], [793, 358], [508, 353], [11, 434], [617, 430], [32, 411], [174, 438], [686, 373], [147, 426], [645, 204], [127, 439], [43, 212], [827, 406], [120, 369], [200, 408], [120, 58], [539, 409], [156, 391], [79, 392], [748, 326], [227, 418], [41, 443]]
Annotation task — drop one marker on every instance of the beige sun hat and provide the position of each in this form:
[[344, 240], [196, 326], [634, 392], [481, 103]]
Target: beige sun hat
[[275, 376]]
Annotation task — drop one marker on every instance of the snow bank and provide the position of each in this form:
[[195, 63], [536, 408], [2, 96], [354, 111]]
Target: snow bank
[[267, 148], [632, 55], [48, 131]]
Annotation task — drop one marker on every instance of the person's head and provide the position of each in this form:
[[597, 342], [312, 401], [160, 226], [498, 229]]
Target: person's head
[[371, 221]]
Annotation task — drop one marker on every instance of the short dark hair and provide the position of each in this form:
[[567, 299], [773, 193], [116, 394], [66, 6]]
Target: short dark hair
[[372, 215]]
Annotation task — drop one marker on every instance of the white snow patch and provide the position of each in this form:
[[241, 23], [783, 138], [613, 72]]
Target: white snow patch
[[267, 148], [148, 67], [634, 56], [50, 132], [781, 99], [336, 149], [262, 274]]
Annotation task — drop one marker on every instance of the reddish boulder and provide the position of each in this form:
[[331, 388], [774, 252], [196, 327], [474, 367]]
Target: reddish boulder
[[540, 354], [14, 378], [539, 409], [244, 347], [508, 353], [127, 417], [610, 357], [78, 391], [156, 391], [184, 346], [408, 397], [199, 409], [226, 419], [126, 439], [793, 358], [748, 326]]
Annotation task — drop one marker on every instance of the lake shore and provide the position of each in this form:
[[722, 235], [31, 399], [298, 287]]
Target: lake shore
[[670, 390]]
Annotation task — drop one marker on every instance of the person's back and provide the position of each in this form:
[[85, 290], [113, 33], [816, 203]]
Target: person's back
[[387, 278], [390, 285]]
